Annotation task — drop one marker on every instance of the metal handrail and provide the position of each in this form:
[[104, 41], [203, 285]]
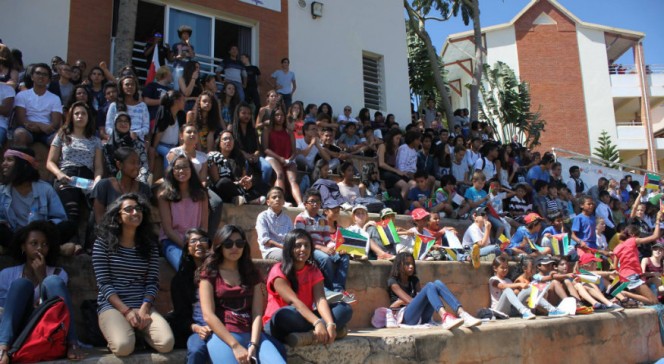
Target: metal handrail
[[599, 161], [626, 69], [208, 64]]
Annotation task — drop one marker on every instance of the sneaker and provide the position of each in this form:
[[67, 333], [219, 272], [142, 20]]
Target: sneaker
[[450, 321], [300, 339], [348, 298], [584, 310], [475, 256], [615, 308], [528, 315], [333, 297], [469, 320], [600, 307], [558, 313], [342, 332], [239, 200]]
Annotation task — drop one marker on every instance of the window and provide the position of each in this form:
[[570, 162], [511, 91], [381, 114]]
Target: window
[[372, 74]]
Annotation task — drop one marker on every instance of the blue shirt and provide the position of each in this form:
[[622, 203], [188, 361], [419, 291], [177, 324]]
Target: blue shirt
[[584, 228], [521, 233], [536, 173], [45, 205], [474, 195]]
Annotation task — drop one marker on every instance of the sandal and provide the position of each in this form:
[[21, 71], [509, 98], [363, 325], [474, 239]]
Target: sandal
[[74, 352], [629, 303]]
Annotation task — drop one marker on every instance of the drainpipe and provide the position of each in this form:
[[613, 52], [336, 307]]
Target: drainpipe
[[651, 152]]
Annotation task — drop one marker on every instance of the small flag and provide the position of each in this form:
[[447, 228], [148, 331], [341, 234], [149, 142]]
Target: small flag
[[534, 247], [504, 242], [388, 232], [588, 277], [154, 66], [616, 287], [537, 291], [651, 181], [492, 211], [352, 243], [560, 244], [422, 246], [453, 240], [453, 255]]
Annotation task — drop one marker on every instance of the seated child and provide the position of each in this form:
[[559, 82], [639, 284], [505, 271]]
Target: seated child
[[546, 272], [518, 206], [527, 236], [504, 293], [419, 196], [555, 230], [626, 258], [540, 197], [360, 218], [460, 169], [418, 303], [349, 141], [475, 195], [497, 194], [447, 201], [477, 236], [272, 225], [554, 208], [589, 292]]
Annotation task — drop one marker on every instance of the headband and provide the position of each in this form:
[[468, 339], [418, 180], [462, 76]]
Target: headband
[[26, 157]]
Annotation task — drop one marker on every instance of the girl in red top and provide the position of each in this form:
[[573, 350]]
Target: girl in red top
[[293, 287], [627, 255], [279, 146], [232, 301]]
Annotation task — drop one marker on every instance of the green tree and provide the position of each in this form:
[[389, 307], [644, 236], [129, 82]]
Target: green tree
[[506, 106], [418, 12], [422, 84], [606, 150]]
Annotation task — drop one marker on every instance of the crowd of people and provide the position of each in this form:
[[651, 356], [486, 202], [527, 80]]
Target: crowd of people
[[105, 136]]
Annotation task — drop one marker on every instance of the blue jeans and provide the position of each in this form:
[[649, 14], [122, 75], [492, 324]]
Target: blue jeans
[[19, 305], [172, 252], [3, 136], [163, 149], [266, 171], [220, 352], [334, 268], [287, 320], [428, 301], [197, 351]]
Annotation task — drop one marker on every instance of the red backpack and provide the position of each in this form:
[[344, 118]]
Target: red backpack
[[44, 337]]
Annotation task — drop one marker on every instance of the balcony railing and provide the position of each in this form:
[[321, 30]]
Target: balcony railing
[[208, 64], [625, 69]]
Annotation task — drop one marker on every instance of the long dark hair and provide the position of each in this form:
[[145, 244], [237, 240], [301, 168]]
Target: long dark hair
[[110, 229], [188, 72], [399, 262], [22, 171], [236, 158], [72, 99], [121, 104], [164, 116], [367, 171], [235, 99], [317, 168], [213, 121], [251, 131], [170, 189], [68, 128], [390, 148], [52, 237], [287, 263], [249, 275]]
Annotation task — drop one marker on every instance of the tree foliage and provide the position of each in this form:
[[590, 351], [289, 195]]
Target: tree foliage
[[506, 106], [606, 149], [420, 72]]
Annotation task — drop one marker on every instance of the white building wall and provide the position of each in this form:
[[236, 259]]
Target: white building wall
[[39, 28], [596, 84], [326, 53], [501, 46]]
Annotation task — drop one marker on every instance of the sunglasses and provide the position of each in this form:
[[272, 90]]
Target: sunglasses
[[199, 240], [240, 243], [132, 209]]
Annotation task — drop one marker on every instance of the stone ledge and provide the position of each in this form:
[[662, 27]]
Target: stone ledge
[[583, 339]]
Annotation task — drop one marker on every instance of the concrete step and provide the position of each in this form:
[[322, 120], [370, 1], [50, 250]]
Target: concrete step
[[628, 337]]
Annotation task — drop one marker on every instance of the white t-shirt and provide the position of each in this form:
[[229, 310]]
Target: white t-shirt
[[472, 157], [300, 144], [459, 170], [346, 119], [406, 159], [486, 166], [6, 92], [496, 292], [472, 235], [38, 108]]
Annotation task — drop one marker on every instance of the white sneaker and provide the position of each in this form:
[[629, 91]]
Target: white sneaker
[[469, 320], [450, 321]]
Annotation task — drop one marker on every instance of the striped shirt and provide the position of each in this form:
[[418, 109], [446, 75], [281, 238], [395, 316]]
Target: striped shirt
[[316, 226], [124, 273]]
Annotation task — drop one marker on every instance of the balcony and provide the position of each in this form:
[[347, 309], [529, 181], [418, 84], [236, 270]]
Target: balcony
[[632, 137], [625, 83]]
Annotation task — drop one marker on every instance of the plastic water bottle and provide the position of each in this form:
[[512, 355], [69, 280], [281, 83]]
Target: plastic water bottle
[[82, 183]]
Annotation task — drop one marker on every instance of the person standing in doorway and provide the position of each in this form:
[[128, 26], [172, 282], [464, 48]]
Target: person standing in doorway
[[251, 93], [284, 82], [234, 71]]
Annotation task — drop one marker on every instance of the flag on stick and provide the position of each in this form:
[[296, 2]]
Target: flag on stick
[[422, 246], [504, 242], [154, 66], [616, 287], [352, 243], [388, 232], [651, 181], [560, 244]]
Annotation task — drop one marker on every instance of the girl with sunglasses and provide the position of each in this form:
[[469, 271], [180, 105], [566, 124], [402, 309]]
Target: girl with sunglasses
[[125, 259], [232, 300]]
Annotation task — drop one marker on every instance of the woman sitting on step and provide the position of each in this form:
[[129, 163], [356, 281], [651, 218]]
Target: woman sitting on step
[[232, 300], [294, 286], [36, 248]]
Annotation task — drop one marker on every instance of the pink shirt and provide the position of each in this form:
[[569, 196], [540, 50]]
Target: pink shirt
[[628, 258], [307, 278], [185, 214]]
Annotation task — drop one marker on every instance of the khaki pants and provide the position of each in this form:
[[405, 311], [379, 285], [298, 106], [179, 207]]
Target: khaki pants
[[120, 335]]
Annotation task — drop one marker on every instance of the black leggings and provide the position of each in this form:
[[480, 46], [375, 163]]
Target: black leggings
[[73, 198], [227, 190]]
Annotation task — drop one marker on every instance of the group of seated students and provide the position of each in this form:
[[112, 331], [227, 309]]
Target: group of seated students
[[218, 150]]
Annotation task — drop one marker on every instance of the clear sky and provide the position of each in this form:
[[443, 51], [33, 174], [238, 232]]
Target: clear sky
[[639, 15]]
